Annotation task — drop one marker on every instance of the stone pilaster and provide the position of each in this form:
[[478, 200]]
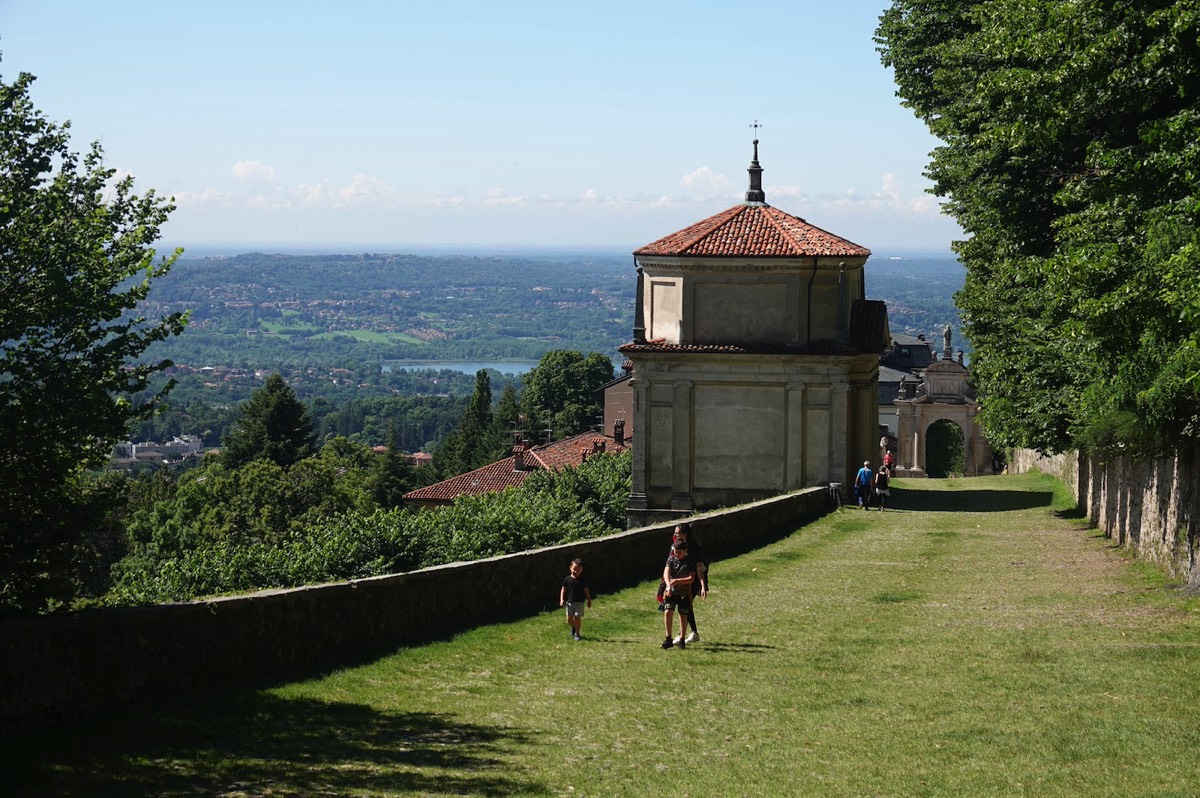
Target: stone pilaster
[[681, 446], [839, 441]]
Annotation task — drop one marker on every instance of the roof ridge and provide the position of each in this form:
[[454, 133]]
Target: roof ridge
[[736, 211], [783, 231]]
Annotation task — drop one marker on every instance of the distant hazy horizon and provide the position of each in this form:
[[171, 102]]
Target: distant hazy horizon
[[507, 250]]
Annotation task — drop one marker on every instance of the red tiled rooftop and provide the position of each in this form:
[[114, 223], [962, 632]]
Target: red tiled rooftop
[[754, 230], [489, 479], [505, 473]]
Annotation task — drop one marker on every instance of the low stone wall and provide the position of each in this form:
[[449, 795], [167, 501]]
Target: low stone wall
[[60, 667], [1150, 506]]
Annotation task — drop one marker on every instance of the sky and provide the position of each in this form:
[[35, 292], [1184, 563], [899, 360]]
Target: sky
[[393, 126]]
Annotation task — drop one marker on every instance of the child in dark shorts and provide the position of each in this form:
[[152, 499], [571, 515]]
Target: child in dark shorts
[[678, 574], [574, 593]]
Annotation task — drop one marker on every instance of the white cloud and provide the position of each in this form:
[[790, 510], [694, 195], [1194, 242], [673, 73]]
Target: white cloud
[[795, 193], [889, 198], [499, 198], [256, 171], [208, 197], [364, 187], [705, 178]]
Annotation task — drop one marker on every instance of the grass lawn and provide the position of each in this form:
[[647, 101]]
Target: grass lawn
[[973, 640]]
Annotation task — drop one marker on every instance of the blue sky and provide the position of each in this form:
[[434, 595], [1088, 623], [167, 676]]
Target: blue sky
[[363, 125]]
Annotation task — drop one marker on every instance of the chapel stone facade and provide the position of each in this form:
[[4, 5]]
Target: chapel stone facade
[[755, 360]]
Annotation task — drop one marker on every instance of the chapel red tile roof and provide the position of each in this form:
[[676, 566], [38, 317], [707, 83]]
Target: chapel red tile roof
[[754, 229], [515, 469]]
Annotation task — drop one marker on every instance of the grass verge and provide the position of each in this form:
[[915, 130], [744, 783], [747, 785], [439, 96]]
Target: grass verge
[[969, 641]]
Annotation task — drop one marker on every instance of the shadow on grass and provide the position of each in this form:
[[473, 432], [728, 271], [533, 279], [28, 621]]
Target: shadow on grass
[[969, 501], [253, 744], [738, 648]]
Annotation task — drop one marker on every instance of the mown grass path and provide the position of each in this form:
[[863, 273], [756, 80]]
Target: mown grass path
[[971, 641]]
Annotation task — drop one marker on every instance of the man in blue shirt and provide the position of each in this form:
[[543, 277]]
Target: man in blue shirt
[[862, 485]]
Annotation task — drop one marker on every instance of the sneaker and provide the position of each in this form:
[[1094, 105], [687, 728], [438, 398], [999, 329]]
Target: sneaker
[[678, 640], [666, 643], [682, 645], [577, 637], [693, 638]]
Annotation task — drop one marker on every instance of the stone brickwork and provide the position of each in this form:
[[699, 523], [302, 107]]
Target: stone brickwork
[[1150, 506], [56, 668]]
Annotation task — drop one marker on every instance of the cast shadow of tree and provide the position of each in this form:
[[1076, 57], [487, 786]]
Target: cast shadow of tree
[[969, 500], [256, 744]]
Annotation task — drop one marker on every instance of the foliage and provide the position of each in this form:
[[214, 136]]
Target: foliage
[[1071, 155], [274, 426], [561, 391], [944, 450], [478, 440], [265, 526], [75, 261]]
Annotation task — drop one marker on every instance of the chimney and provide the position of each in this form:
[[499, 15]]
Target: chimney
[[520, 459], [619, 431]]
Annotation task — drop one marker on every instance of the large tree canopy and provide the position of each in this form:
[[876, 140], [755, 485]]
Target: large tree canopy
[[561, 391], [274, 426], [75, 262], [1071, 158]]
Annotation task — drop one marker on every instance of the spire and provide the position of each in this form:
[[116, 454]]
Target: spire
[[755, 194]]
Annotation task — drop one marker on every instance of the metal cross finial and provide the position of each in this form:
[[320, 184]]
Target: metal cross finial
[[756, 126]]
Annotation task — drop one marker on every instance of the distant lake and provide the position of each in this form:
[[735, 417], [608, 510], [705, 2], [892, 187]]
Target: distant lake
[[510, 367]]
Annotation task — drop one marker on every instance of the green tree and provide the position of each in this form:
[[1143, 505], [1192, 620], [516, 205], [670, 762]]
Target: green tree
[[560, 392], [75, 263], [274, 426], [477, 441], [391, 474], [1071, 158]]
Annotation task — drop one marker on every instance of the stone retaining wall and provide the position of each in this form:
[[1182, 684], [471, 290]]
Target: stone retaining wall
[[60, 667], [1150, 506]]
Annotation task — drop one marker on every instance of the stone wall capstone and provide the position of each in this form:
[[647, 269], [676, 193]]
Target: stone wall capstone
[[60, 667]]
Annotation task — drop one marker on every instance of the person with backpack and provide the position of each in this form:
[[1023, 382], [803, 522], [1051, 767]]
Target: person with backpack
[[678, 576], [882, 480], [700, 583]]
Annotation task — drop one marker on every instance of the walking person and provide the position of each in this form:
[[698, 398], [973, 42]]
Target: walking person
[[573, 595], [862, 485], [700, 583], [678, 576], [882, 489]]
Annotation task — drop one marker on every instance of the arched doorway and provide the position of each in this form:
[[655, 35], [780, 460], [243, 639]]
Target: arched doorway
[[944, 449]]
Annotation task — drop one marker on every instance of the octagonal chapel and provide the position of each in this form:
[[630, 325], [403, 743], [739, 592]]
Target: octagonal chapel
[[755, 360]]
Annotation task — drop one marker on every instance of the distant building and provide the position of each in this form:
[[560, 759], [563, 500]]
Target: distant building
[[127, 455], [418, 459], [516, 468], [942, 396], [755, 360], [903, 364], [618, 405]]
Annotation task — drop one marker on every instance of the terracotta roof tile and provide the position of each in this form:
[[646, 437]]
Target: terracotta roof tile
[[489, 479], [754, 230], [505, 473]]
